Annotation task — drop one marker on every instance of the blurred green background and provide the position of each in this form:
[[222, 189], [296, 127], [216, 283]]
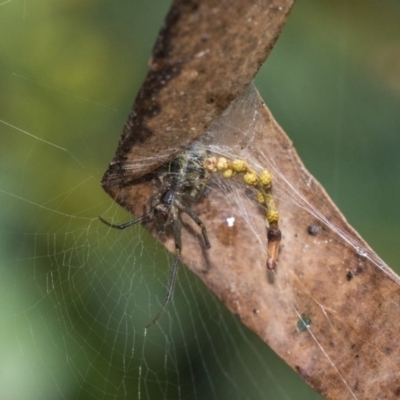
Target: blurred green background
[[75, 296]]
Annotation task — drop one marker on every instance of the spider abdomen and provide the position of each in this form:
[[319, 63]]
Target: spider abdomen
[[187, 174]]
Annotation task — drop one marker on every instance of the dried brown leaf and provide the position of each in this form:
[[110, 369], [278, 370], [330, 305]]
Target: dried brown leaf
[[330, 308]]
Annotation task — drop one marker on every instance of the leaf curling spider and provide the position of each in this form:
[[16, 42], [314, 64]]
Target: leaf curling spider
[[180, 185]]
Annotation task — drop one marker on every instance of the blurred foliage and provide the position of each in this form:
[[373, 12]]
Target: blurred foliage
[[69, 74]]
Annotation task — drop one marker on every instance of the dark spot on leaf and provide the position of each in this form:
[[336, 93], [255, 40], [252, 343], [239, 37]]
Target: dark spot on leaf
[[388, 350], [313, 230], [210, 99], [303, 323], [349, 275]]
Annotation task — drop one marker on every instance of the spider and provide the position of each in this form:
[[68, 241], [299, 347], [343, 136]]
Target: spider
[[181, 183]]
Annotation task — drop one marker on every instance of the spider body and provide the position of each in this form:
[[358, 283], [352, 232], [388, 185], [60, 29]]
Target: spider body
[[180, 185]]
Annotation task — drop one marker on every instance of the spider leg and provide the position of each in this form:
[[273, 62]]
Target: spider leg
[[171, 287], [130, 223], [176, 224], [198, 221]]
